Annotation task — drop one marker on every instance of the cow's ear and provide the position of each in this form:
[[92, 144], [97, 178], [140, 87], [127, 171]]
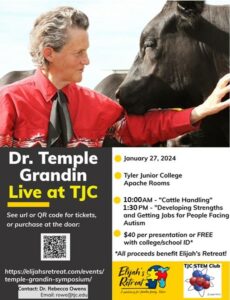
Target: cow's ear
[[190, 9], [189, 14]]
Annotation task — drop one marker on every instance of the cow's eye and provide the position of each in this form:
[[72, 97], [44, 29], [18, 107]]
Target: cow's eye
[[150, 44]]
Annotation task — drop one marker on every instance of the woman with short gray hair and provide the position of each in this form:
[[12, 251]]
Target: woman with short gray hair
[[51, 30]]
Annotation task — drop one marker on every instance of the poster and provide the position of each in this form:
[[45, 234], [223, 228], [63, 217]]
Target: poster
[[110, 223]]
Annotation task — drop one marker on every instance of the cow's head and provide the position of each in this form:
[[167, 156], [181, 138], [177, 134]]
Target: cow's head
[[173, 67]]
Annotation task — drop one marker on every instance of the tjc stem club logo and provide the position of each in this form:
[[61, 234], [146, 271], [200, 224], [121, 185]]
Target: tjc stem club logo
[[200, 281]]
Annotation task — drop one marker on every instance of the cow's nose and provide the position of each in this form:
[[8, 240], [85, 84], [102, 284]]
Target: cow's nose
[[117, 93]]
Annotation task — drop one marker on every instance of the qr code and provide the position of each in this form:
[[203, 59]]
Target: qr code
[[55, 246]]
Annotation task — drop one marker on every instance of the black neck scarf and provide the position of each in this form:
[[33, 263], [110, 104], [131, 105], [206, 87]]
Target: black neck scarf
[[60, 128]]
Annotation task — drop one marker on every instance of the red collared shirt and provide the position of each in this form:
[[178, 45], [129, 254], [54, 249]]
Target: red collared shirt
[[25, 108]]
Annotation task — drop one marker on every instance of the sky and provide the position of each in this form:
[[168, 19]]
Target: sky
[[115, 28]]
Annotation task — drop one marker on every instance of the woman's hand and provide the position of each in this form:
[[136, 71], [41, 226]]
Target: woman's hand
[[213, 104]]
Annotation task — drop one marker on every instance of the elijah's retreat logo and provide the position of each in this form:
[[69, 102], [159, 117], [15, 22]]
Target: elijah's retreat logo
[[154, 277]]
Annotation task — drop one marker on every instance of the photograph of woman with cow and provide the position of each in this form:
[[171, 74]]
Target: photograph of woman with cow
[[48, 108]]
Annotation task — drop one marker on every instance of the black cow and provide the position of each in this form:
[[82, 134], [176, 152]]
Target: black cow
[[183, 52], [15, 76], [109, 85]]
